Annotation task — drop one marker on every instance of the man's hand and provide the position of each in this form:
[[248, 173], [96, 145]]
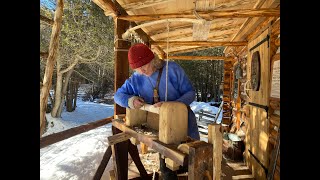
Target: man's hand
[[138, 102], [135, 102], [158, 104]]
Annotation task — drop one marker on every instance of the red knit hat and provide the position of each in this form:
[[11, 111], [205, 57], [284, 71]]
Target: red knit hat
[[139, 55]]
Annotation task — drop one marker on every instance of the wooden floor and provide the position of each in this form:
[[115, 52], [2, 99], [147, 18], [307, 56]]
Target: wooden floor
[[234, 170]]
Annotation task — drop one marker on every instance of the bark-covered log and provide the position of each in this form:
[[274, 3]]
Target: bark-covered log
[[53, 50]]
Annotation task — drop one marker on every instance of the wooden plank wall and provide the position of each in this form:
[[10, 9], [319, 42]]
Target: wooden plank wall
[[274, 120], [258, 127]]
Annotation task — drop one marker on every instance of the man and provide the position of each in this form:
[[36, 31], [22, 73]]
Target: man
[[151, 84]]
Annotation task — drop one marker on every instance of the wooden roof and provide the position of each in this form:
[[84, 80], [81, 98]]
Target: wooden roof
[[194, 24]]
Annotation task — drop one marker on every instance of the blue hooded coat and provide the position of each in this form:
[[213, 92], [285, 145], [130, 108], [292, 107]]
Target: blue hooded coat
[[179, 89]]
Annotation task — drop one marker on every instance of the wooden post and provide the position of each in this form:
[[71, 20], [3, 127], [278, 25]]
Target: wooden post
[[215, 137], [103, 164], [200, 161], [133, 150], [121, 58], [53, 51], [120, 157], [112, 175]]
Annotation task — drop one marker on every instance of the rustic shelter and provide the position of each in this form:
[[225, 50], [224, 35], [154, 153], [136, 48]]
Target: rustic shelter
[[250, 32]]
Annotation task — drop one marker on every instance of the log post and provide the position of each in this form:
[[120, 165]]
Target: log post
[[200, 163], [121, 59], [215, 137], [120, 157], [53, 51]]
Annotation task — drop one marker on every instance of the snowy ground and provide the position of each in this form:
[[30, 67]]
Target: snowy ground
[[78, 157]]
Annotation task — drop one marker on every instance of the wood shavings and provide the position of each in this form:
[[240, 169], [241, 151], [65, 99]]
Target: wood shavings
[[144, 130], [150, 161], [148, 133]]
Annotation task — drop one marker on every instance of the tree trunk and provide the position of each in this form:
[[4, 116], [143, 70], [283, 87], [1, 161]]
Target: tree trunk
[[47, 79], [64, 90], [76, 95], [197, 91], [214, 81], [69, 98], [57, 97]]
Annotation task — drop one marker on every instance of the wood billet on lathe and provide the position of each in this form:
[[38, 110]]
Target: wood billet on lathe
[[152, 116], [139, 116], [150, 108], [173, 122], [135, 117]]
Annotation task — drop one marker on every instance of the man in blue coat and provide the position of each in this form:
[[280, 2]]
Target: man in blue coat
[[152, 84]]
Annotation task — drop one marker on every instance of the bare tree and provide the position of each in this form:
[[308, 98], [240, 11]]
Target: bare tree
[[47, 79]]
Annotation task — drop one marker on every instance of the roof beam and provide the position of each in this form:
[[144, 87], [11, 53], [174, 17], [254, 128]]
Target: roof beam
[[107, 5], [251, 23], [208, 15], [170, 48], [200, 43], [215, 22], [212, 34], [200, 58], [188, 50], [263, 26], [188, 31], [117, 9], [142, 4]]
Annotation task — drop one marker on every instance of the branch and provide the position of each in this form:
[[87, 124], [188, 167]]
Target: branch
[[83, 76], [92, 59], [44, 54], [75, 62], [47, 20]]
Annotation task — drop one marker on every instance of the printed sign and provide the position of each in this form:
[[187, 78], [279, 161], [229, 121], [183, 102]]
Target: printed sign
[[275, 82]]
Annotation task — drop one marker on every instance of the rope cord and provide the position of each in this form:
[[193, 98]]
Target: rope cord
[[167, 61]]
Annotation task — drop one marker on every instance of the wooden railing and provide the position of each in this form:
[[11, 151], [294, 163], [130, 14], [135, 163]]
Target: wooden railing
[[56, 137]]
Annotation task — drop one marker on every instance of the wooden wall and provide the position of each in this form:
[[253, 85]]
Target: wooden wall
[[256, 150], [274, 112], [260, 110]]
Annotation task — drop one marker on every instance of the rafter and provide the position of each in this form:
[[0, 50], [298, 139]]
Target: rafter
[[188, 31], [208, 15], [107, 5], [212, 34], [142, 4], [215, 23], [263, 26], [200, 43], [252, 22], [116, 9], [182, 48], [200, 58]]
